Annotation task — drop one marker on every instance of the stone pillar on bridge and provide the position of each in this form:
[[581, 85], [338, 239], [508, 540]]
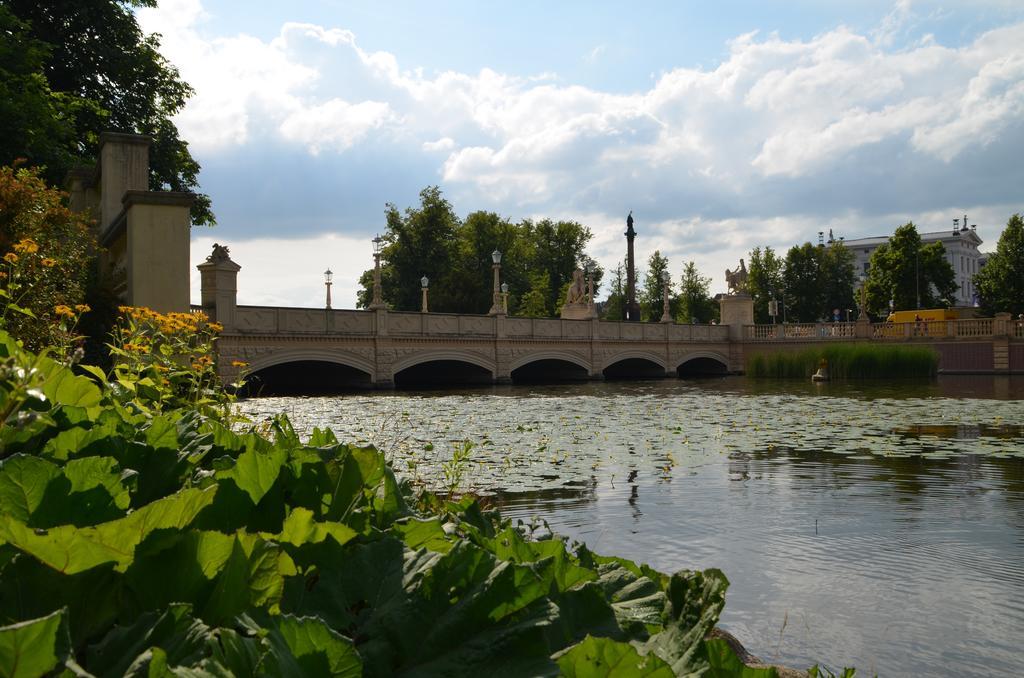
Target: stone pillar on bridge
[[737, 311], [219, 287]]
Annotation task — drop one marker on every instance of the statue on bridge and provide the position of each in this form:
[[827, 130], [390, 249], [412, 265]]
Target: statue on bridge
[[579, 300], [736, 280], [577, 293], [219, 254]]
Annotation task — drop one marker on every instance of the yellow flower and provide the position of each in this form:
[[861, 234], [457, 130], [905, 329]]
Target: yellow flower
[[61, 309], [123, 309], [27, 246], [47, 262], [82, 308], [239, 363], [11, 258], [216, 327]]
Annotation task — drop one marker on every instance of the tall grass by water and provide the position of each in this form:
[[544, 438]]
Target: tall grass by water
[[847, 361]]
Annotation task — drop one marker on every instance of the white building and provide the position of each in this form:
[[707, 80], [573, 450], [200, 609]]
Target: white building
[[961, 251]]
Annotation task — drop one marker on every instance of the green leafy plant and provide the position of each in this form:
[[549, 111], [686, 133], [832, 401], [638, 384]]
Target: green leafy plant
[[148, 542]]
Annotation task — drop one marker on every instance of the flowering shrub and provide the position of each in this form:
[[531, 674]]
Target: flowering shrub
[[46, 257], [164, 361]]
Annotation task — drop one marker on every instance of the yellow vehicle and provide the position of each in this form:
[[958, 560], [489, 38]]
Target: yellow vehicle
[[922, 322], [922, 315]]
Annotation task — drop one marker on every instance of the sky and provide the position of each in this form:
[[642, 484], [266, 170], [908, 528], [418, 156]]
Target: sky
[[722, 126]]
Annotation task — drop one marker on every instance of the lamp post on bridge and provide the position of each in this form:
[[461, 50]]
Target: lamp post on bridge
[[378, 301], [424, 286], [504, 298], [496, 306], [328, 276]]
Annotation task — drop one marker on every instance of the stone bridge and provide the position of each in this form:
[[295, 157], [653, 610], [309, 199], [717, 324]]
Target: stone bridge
[[309, 350]]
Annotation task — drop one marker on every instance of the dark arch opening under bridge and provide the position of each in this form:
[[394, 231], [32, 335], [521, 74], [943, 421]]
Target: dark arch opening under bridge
[[702, 366], [634, 368], [549, 371], [443, 373], [305, 377]]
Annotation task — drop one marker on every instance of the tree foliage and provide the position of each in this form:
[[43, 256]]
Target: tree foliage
[[652, 295], [615, 304], [71, 70], [1000, 283], [817, 280], [538, 259], [764, 278], [909, 274], [694, 302]]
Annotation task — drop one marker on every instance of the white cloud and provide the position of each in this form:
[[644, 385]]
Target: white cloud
[[713, 154]]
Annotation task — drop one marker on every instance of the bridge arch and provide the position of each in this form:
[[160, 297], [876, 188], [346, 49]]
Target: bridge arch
[[308, 371], [443, 367], [549, 367], [564, 356], [634, 364], [702, 363], [323, 355]]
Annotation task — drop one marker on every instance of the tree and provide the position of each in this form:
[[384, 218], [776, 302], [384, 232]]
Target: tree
[[652, 296], [802, 281], [764, 278], [615, 304], [908, 275], [1000, 283], [87, 67], [838, 277], [695, 302], [47, 250], [538, 259]]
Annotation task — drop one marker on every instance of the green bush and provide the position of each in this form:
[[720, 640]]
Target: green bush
[[143, 542], [847, 361]]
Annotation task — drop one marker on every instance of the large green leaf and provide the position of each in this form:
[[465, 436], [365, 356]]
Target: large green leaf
[[725, 664], [181, 637], [64, 387], [303, 647], [71, 549], [23, 482], [300, 528], [255, 471], [606, 658], [33, 648], [696, 601]]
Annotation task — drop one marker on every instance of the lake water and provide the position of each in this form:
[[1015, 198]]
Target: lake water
[[876, 526]]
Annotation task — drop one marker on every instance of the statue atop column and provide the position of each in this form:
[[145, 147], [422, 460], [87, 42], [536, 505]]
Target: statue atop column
[[736, 279], [632, 308]]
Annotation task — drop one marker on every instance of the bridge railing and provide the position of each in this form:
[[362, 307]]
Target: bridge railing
[[799, 331], [933, 329]]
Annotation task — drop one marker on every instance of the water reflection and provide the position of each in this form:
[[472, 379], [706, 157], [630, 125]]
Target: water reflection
[[877, 525]]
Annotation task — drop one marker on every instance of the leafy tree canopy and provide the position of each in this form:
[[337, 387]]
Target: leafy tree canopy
[[652, 296], [817, 279], [1000, 283], [538, 259], [695, 302], [909, 274], [764, 278], [71, 70]]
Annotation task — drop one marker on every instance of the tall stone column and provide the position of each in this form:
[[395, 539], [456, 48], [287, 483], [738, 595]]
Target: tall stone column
[[632, 308], [219, 287]]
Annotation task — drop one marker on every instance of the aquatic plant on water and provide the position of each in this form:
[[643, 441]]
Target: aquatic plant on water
[[847, 361], [138, 539]]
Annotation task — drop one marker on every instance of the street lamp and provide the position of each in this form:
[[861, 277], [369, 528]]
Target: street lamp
[[496, 307], [666, 317], [773, 306], [424, 285], [377, 302], [327, 281], [504, 298]]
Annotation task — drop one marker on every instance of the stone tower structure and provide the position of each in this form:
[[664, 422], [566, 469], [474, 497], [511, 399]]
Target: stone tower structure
[[144, 234]]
